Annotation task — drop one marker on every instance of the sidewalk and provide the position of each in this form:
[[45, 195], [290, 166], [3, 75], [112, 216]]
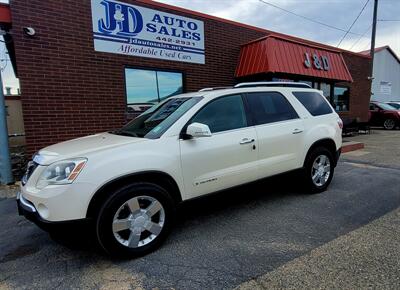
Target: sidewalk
[[381, 148], [367, 258], [9, 191]]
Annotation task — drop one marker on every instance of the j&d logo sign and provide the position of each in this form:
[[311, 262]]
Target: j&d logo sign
[[133, 30], [321, 63]]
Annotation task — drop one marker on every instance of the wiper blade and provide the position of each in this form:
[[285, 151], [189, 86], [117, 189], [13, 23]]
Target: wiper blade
[[125, 133]]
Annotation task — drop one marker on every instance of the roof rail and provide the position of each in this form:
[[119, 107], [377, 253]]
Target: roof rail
[[272, 84], [214, 89]]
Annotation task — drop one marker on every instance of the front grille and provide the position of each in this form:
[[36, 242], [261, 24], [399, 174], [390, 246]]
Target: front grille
[[32, 165]]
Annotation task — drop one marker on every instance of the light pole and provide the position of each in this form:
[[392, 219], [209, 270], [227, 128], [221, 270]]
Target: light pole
[[5, 162], [372, 50]]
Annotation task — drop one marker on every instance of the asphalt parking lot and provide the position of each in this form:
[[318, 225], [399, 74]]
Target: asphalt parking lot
[[228, 239]]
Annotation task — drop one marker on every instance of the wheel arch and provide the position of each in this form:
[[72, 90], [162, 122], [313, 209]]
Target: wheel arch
[[157, 177], [327, 143]]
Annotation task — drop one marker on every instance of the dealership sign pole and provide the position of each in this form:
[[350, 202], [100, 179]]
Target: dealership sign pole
[[5, 163]]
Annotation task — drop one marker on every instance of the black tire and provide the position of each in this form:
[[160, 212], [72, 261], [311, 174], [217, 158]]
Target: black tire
[[311, 186], [389, 124], [104, 221]]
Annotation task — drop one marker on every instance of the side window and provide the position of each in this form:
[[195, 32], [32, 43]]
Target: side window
[[226, 113], [371, 107], [314, 102], [269, 107]]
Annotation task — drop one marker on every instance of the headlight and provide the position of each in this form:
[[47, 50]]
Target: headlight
[[61, 172]]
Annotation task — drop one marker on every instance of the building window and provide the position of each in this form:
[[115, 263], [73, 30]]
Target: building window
[[341, 97], [326, 90], [151, 86]]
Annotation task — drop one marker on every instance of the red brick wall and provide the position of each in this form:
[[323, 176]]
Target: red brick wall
[[69, 90], [360, 89]]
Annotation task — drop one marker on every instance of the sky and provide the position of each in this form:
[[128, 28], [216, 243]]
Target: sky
[[338, 13]]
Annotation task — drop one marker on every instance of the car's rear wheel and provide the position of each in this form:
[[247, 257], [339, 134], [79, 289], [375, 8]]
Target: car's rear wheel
[[319, 169], [389, 124], [135, 220]]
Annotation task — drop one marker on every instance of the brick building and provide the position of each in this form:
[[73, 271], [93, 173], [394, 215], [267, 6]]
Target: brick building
[[87, 66]]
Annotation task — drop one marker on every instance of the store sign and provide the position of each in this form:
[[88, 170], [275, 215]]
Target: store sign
[[315, 61], [386, 88], [133, 30]]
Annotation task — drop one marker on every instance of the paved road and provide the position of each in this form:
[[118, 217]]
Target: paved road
[[220, 242], [367, 258]]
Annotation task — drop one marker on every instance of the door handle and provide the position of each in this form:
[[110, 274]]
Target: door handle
[[297, 131], [246, 141]]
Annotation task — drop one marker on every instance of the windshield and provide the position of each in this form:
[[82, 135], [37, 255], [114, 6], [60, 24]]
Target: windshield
[[156, 120], [386, 107], [395, 105]]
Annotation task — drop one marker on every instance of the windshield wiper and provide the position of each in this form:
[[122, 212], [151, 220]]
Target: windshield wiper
[[124, 133]]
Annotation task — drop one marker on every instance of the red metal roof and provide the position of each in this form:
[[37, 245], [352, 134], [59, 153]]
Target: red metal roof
[[276, 54], [5, 14]]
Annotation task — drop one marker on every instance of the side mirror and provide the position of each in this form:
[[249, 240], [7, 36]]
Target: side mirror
[[198, 130]]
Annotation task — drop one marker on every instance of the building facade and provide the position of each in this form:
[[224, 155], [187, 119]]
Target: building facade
[[90, 66], [386, 75]]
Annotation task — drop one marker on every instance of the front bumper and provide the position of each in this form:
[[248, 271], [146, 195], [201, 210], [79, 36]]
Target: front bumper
[[28, 210]]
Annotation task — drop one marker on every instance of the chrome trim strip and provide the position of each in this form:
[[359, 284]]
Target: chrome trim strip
[[25, 203]]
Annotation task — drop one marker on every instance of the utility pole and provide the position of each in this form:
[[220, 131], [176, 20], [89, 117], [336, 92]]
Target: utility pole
[[5, 162], [372, 51]]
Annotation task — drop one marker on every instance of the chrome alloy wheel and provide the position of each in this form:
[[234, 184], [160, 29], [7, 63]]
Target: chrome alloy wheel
[[138, 221], [321, 170]]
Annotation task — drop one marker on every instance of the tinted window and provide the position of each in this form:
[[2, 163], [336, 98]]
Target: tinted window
[[313, 102], [270, 107], [226, 113]]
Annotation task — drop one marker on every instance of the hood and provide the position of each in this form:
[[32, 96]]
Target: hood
[[80, 147]]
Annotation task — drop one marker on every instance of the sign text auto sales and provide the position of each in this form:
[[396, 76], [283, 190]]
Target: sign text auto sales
[[128, 29]]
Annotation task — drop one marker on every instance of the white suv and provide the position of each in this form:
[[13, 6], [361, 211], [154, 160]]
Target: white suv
[[126, 184]]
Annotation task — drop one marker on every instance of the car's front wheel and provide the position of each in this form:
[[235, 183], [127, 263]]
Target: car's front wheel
[[389, 124], [319, 169], [135, 220]]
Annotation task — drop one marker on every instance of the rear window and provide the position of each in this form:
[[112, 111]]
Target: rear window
[[314, 102]]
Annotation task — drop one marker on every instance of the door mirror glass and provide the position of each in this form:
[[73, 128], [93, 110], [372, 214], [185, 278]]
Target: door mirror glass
[[198, 130]]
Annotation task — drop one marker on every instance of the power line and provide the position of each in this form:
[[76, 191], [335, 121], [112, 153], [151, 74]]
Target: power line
[[307, 18], [384, 20], [360, 37], [351, 26]]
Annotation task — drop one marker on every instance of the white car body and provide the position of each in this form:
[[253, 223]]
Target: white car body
[[199, 166]]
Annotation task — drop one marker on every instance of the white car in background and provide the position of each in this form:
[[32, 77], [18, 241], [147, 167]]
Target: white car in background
[[126, 184]]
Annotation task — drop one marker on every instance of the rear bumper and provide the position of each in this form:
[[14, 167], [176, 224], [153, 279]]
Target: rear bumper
[[28, 210]]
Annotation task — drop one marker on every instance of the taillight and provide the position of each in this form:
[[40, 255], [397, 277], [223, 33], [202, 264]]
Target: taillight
[[340, 123]]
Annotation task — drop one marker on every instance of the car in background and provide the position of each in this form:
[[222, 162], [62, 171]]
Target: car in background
[[394, 104], [382, 114]]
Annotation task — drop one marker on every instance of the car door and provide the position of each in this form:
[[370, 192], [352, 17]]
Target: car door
[[280, 132], [225, 159]]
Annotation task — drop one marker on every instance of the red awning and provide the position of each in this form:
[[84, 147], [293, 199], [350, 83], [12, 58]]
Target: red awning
[[5, 14], [275, 54]]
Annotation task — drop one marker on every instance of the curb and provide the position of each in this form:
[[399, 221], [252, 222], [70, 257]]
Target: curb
[[351, 146]]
